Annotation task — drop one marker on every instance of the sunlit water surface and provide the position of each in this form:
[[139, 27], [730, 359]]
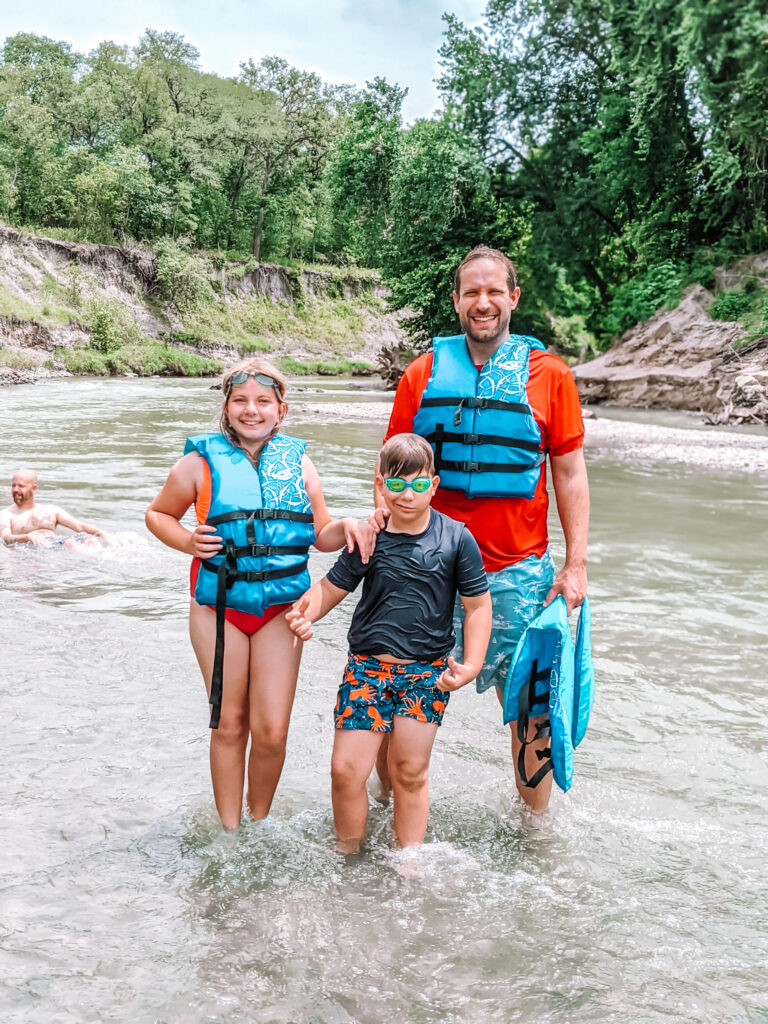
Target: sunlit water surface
[[643, 899]]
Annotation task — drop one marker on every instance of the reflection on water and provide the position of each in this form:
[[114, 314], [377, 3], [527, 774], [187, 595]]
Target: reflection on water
[[641, 900]]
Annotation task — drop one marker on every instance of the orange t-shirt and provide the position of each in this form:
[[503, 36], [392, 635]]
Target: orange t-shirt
[[506, 529]]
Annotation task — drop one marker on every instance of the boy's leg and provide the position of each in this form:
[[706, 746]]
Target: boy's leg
[[410, 749], [354, 754]]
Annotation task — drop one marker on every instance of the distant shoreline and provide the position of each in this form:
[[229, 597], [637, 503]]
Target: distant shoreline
[[722, 449]]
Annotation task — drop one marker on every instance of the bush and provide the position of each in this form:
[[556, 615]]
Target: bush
[[637, 300], [182, 279], [730, 306]]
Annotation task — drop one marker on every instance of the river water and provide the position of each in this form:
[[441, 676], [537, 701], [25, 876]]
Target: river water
[[642, 899]]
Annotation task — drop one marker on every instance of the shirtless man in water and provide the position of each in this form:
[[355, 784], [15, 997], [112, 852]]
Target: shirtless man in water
[[24, 522]]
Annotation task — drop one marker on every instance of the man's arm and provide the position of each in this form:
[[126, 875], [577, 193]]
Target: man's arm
[[569, 480], [313, 605], [65, 519]]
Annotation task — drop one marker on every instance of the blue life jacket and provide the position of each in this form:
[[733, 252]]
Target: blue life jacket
[[479, 423], [265, 519], [552, 674]]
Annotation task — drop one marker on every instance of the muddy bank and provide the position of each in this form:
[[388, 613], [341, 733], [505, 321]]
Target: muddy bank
[[683, 359]]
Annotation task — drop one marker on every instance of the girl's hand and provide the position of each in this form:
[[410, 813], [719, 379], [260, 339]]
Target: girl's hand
[[456, 675], [203, 542], [360, 534], [297, 620]]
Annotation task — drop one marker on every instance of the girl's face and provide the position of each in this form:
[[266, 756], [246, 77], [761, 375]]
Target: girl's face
[[254, 411]]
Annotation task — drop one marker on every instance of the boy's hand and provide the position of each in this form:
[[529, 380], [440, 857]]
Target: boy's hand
[[456, 675], [297, 620], [361, 535]]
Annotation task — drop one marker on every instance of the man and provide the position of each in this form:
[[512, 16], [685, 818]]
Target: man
[[493, 406], [24, 522]]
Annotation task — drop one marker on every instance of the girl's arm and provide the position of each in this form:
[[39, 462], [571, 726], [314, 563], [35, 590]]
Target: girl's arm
[[178, 492], [478, 614], [330, 535], [313, 605]]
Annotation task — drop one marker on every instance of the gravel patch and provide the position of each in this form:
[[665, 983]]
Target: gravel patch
[[709, 448]]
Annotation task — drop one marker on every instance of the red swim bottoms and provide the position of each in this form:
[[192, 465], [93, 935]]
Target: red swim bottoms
[[244, 621]]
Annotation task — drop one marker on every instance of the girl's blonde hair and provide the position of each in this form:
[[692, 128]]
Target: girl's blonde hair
[[249, 366]]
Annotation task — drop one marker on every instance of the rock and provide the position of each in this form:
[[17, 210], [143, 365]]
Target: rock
[[682, 359]]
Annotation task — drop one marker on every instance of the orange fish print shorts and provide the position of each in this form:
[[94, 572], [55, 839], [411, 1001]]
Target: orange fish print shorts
[[373, 692]]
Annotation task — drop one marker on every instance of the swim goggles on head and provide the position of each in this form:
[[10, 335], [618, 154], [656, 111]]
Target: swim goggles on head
[[398, 484], [261, 378]]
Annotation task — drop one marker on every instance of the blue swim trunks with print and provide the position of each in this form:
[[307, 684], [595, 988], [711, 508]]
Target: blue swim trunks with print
[[374, 692]]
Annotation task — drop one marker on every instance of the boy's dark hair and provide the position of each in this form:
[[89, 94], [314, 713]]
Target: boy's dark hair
[[404, 454], [483, 252]]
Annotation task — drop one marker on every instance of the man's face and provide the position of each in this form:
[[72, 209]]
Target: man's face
[[23, 488], [485, 303]]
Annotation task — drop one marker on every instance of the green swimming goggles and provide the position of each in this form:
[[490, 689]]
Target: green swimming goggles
[[261, 378], [398, 484]]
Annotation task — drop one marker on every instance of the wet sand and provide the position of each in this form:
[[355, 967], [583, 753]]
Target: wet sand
[[719, 449]]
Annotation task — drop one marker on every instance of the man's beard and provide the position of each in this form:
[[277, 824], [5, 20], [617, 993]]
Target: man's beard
[[491, 343]]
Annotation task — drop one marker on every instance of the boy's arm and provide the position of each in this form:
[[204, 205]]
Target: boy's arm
[[477, 633], [313, 605]]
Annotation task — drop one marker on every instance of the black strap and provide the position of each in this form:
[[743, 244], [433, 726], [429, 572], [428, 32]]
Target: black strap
[[445, 437], [261, 513], [226, 575], [484, 467], [256, 576], [473, 402], [527, 698]]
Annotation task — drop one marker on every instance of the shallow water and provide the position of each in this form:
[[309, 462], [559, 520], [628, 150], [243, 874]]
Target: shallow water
[[642, 900]]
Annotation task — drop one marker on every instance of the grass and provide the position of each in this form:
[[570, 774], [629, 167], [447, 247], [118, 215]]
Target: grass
[[146, 359], [322, 368], [16, 360]]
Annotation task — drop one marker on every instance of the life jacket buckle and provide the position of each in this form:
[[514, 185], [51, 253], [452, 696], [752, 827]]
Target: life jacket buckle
[[470, 439]]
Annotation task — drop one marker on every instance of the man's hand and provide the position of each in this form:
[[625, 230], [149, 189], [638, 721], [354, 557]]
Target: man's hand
[[297, 620], [571, 582], [203, 542], [456, 675], [358, 533]]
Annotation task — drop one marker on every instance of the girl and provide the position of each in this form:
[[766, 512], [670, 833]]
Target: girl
[[259, 505]]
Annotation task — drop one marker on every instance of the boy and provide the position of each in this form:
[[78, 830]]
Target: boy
[[398, 678]]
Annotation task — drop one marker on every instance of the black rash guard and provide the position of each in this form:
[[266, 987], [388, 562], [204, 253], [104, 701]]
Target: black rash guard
[[411, 580]]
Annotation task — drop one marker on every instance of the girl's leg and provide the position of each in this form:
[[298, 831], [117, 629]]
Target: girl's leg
[[229, 741], [354, 754], [275, 654], [410, 748]]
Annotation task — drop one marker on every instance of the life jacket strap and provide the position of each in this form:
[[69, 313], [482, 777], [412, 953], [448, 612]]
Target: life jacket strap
[[527, 700], [439, 437], [226, 575], [261, 513], [475, 402]]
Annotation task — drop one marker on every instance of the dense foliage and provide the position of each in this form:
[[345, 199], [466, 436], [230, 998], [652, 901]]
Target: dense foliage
[[616, 151]]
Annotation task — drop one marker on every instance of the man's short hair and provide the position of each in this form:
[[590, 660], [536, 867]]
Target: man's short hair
[[404, 454], [483, 252]]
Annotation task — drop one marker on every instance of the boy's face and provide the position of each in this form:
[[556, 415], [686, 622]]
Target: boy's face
[[408, 504]]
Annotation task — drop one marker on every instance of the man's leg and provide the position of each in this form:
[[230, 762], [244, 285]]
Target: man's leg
[[536, 797], [354, 754], [410, 749]]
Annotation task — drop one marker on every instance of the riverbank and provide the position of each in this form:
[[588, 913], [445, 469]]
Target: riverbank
[[698, 446], [75, 309]]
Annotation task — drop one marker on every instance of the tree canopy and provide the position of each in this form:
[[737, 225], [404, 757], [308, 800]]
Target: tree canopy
[[615, 151]]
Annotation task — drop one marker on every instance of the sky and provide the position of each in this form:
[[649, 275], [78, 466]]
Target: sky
[[344, 41]]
